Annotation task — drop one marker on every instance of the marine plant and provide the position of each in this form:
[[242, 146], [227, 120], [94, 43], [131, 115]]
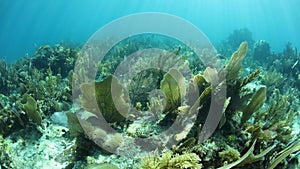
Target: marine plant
[[9, 116], [261, 51], [30, 90], [287, 63], [60, 59], [228, 46], [273, 79], [106, 101], [30, 107], [240, 35]]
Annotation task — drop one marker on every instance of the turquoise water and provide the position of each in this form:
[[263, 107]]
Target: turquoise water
[[26, 25]]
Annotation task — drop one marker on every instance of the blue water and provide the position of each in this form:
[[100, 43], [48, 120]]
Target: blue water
[[25, 25]]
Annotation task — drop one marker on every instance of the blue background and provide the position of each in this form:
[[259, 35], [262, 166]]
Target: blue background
[[28, 24]]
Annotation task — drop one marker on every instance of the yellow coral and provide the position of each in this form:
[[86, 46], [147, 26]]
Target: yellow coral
[[230, 154], [169, 160]]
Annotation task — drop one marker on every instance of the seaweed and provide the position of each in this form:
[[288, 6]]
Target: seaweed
[[74, 126], [59, 58], [106, 100], [30, 107], [257, 100], [234, 66], [173, 87], [228, 46], [248, 157], [261, 51], [294, 147]]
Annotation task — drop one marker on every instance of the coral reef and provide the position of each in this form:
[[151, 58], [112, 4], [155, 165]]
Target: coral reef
[[248, 125], [281, 66], [240, 35], [258, 116], [33, 92], [59, 59], [29, 95], [4, 154], [249, 106]]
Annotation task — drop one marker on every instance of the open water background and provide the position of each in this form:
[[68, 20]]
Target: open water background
[[27, 24]]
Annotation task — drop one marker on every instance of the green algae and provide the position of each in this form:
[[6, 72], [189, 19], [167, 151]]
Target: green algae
[[257, 100], [173, 87], [234, 66], [30, 107], [106, 100]]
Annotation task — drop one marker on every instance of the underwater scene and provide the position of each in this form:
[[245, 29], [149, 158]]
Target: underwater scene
[[154, 84]]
